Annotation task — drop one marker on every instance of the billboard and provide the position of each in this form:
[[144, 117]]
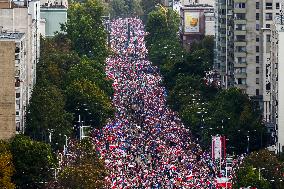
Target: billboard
[[191, 22]]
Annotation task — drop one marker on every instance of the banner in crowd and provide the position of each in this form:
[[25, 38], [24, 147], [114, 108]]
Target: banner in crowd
[[218, 147]]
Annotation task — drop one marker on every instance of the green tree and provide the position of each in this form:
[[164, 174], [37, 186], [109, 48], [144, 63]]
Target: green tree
[[85, 29], [162, 24], [97, 103], [125, 8], [6, 166], [33, 162], [56, 59], [148, 6], [272, 168], [90, 70], [46, 111], [84, 169], [248, 176]]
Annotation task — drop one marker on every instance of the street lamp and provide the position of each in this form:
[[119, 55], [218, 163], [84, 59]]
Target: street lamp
[[50, 131], [260, 169], [248, 144]]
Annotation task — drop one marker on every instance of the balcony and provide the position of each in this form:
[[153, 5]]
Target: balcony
[[240, 75], [240, 65], [240, 32], [241, 86], [240, 21]]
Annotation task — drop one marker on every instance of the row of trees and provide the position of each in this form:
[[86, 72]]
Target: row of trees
[[70, 78], [25, 163], [205, 109]]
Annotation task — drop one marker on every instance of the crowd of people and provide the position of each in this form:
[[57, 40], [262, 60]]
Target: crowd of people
[[146, 145]]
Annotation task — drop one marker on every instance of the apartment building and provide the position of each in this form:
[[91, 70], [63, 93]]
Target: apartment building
[[14, 87], [19, 24], [244, 53], [280, 96]]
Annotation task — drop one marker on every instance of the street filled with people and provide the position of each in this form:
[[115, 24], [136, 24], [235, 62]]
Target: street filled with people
[[146, 145]]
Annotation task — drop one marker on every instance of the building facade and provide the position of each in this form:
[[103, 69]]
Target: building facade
[[197, 20], [14, 89], [53, 14], [22, 17], [280, 109], [244, 50]]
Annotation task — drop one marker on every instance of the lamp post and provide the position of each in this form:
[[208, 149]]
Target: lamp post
[[50, 131], [259, 170], [248, 144]]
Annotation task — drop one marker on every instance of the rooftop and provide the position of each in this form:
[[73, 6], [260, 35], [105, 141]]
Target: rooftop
[[8, 36]]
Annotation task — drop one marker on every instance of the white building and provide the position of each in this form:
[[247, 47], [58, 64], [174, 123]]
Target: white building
[[24, 17], [280, 129]]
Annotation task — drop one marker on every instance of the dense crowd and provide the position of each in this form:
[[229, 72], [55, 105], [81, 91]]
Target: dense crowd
[[146, 145]]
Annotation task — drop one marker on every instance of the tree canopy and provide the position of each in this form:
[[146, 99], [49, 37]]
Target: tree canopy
[[71, 76], [85, 29], [6, 166], [261, 169], [33, 162], [125, 8], [82, 168]]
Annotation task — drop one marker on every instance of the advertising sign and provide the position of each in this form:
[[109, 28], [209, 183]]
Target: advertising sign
[[191, 22]]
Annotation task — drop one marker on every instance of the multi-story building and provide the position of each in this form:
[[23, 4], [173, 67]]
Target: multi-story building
[[224, 27], [14, 87], [16, 19], [197, 20], [244, 53], [53, 13], [280, 96], [278, 87]]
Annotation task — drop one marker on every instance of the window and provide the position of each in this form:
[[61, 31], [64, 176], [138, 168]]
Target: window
[[18, 95], [267, 25], [241, 49], [241, 81], [268, 16], [240, 5], [257, 48], [240, 27], [257, 59], [18, 104], [17, 82], [257, 16], [240, 16], [257, 5], [277, 6], [257, 81], [17, 113], [268, 38], [241, 38], [241, 60], [240, 70], [18, 128], [256, 92], [268, 6], [257, 38], [257, 27], [257, 70]]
